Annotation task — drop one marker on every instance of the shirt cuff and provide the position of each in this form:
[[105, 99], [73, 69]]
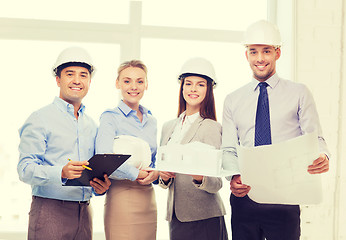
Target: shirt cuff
[[126, 171], [55, 172]]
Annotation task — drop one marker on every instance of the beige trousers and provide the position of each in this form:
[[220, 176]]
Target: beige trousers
[[130, 211]]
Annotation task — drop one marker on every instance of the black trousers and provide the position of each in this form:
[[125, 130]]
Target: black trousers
[[206, 229], [255, 221]]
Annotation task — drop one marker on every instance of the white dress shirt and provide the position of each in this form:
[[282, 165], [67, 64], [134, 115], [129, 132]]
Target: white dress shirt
[[182, 127]]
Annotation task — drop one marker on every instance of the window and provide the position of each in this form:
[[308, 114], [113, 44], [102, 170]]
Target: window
[[64, 10], [221, 15], [166, 35]]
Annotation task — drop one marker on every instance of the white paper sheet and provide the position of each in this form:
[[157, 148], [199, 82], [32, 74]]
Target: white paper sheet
[[277, 173], [194, 158]]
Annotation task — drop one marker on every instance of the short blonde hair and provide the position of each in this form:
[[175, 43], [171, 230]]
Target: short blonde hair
[[132, 63]]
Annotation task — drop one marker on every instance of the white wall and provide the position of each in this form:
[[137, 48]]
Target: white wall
[[320, 65]]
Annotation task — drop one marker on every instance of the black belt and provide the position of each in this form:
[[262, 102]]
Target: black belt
[[65, 201]]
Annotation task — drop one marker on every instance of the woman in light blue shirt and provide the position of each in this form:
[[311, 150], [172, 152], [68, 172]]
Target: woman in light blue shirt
[[130, 208]]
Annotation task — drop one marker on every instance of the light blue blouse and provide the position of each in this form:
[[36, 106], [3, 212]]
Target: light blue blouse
[[122, 120]]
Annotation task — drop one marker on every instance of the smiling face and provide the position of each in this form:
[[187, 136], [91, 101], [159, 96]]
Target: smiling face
[[262, 60], [194, 91], [132, 82], [74, 83]]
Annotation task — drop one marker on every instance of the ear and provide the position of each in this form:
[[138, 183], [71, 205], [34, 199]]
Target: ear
[[247, 57], [278, 53], [57, 79], [146, 84], [117, 84]]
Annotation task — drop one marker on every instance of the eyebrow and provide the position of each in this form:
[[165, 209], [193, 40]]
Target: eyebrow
[[197, 82], [128, 78], [72, 71], [265, 48]]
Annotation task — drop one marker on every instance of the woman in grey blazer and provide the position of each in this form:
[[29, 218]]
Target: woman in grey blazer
[[194, 207]]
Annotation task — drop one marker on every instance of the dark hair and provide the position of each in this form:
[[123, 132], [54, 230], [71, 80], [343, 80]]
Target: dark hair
[[70, 64], [207, 109]]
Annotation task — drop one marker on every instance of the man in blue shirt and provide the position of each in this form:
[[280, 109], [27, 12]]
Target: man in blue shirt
[[287, 110], [55, 141]]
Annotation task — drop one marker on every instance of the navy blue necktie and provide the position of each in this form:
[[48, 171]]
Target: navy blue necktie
[[262, 127]]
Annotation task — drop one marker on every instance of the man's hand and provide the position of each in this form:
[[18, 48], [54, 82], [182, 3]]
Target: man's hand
[[320, 165], [152, 176], [73, 169], [238, 188], [99, 186]]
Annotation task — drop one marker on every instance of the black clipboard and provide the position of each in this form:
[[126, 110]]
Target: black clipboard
[[100, 164]]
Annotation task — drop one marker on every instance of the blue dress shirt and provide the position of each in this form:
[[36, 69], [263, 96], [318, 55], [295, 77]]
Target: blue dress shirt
[[48, 138], [122, 120], [292, 113]]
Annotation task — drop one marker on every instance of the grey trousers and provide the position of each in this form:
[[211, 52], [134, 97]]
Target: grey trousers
[[59, 220]]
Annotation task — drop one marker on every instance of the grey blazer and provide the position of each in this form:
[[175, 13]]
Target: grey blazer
[[193, 201]]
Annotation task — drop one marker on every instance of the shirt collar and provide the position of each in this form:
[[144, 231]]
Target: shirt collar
[[190, 119], [272, 81], [126, 110], [67, 107]]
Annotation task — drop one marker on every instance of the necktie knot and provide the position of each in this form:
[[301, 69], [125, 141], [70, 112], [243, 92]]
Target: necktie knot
[[263, 85]]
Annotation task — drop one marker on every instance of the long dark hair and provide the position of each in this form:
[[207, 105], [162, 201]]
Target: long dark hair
[[207, 109]]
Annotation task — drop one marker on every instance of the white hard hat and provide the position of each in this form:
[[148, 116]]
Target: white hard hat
[[74, 55], [198, 66], [262, 32], [138, 149]]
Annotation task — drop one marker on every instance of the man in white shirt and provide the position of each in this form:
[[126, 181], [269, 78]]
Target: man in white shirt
[[286, 110]]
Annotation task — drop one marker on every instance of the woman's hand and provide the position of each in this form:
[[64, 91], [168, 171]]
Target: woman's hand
[[165, 176], [197, 178], [152, 176]]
